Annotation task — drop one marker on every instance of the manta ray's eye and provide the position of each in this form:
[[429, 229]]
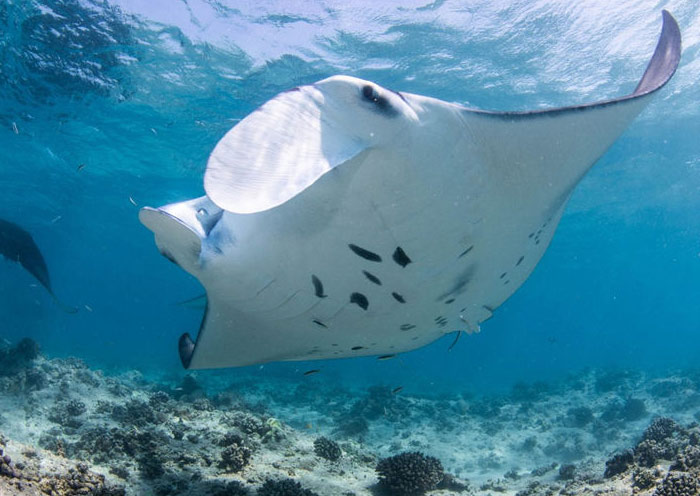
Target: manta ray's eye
[[381, 103], [369, 93]]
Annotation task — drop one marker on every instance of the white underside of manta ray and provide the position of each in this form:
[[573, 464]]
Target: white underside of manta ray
[[343, 219]]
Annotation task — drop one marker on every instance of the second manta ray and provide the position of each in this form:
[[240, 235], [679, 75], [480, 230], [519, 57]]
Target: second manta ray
[[344, 219]]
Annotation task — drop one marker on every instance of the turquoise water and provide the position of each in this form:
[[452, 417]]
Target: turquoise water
[[109, 106]]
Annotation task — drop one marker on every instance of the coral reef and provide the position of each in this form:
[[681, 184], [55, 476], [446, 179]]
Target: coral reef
[[284, 487], [619, 463], [68, 414], [409, 473], [137, 413], [113, 435], [79, 480], [68, 481], [687, 460], [6, 469], [327, 448], [643, 478], [235, 455], [18, 357], [231, 488], [661, 440], [248, 424], [567, 472], [679, 484]]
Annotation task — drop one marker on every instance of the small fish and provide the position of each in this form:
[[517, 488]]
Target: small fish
[[133, 202], [88, 308], [14, 128], [56, 219], [386, 357], [396, 390], [309, 425], [154, 131], [80, 167], [312, 371]]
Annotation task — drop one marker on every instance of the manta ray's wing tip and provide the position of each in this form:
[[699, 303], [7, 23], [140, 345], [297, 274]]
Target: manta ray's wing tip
[[664, 62]]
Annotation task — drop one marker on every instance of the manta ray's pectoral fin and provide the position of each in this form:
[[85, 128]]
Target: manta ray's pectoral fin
[[17, 245], [549, 151], [278, 151], [180, 228]]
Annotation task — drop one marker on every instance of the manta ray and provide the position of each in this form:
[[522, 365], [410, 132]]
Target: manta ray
[[17, 245], [344, 219]]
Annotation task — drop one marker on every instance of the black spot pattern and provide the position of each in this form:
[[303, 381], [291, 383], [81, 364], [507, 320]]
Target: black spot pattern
[[466, 251], [520, 260], [441, 321], [372, 278], [400, 257], [503, 275], [366, 254], [355, 348], [451, 300], [460, 283], [537, 236], [488, 308], [360, 300], [407, 327], [318, 322], [318, 287], [398, 297]]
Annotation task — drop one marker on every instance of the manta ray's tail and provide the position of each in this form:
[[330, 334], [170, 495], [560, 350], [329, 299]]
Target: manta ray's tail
[[63, 306]]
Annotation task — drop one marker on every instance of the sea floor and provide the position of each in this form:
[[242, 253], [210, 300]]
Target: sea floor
[[66, 429]]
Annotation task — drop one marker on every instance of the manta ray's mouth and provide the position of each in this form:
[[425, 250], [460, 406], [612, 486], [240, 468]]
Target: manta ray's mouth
[[183, 230]]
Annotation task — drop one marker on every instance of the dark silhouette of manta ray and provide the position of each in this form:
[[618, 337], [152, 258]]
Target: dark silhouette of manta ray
[[17, 245]]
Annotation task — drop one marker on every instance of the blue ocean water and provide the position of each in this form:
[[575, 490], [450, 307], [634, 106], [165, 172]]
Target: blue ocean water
[[109, 106]]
